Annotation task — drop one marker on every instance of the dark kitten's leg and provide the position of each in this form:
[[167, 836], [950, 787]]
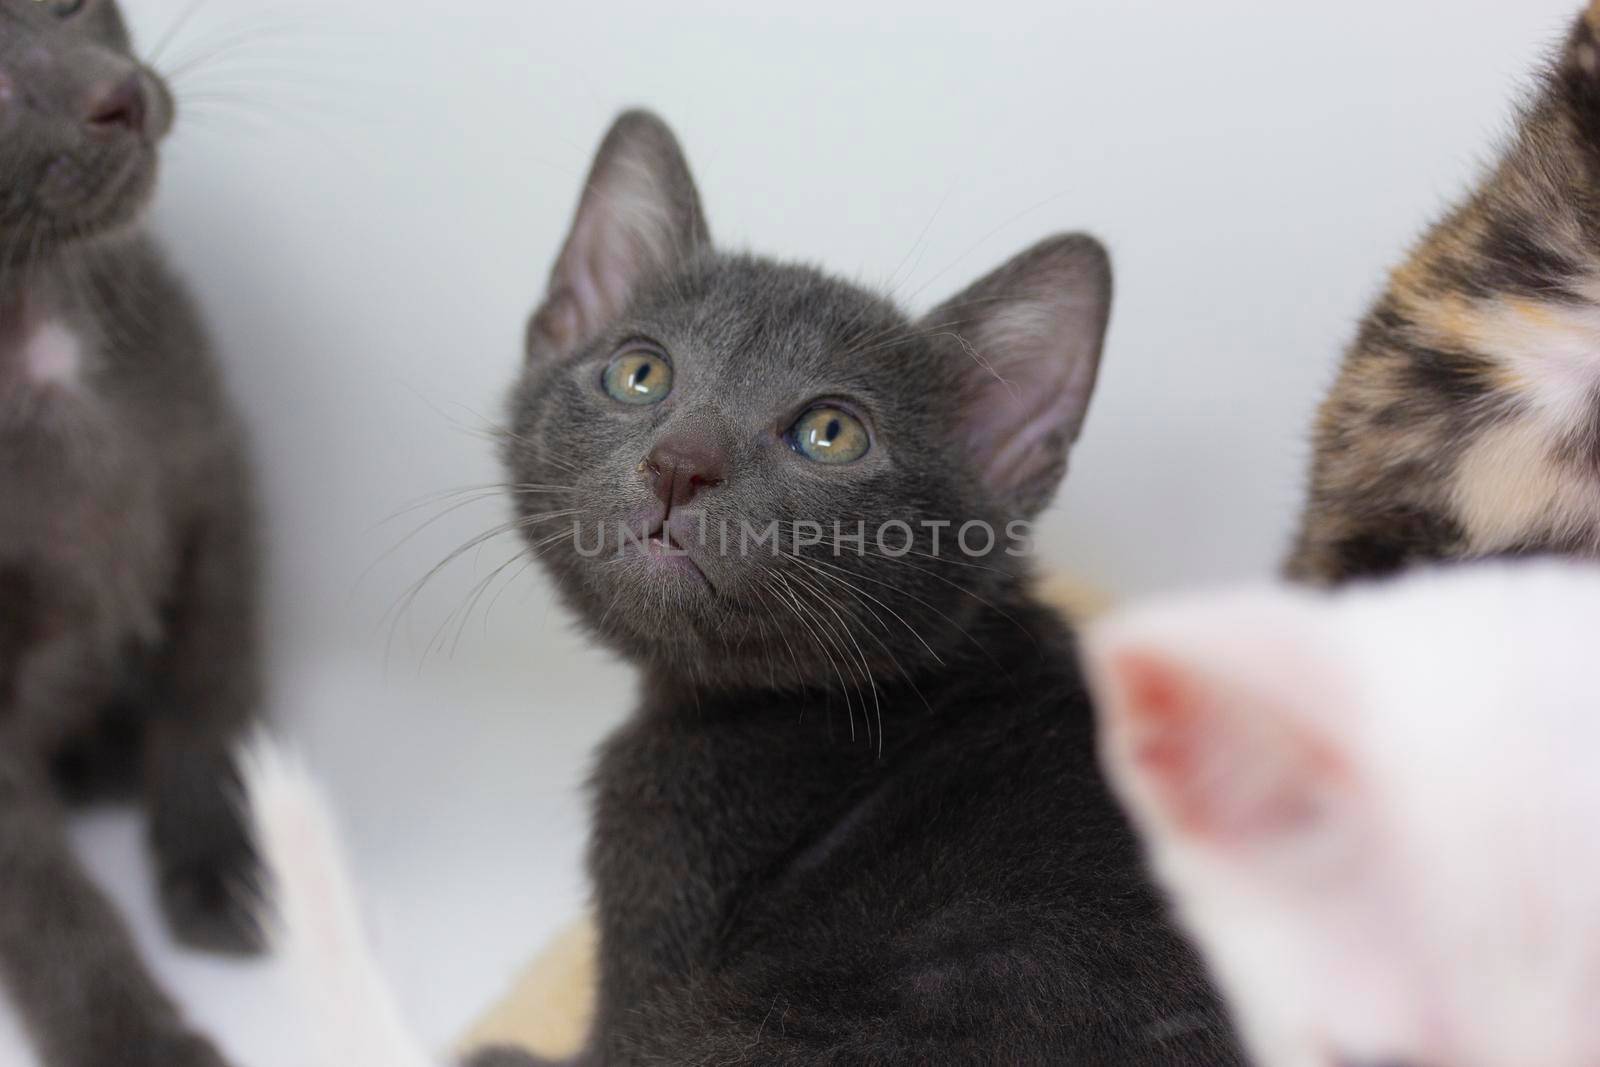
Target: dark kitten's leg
[[206, 694], [210, 878], [64, 955]]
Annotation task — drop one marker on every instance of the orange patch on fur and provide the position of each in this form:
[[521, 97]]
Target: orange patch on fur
[[1533, 312], [1448, 321]]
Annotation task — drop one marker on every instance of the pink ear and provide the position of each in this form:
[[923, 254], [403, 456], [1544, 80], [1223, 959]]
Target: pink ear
[[1028, 338], [1219, 728], [639, 217]]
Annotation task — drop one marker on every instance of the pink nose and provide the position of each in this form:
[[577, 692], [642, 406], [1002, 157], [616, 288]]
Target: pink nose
[[683, 466], [118, 108]]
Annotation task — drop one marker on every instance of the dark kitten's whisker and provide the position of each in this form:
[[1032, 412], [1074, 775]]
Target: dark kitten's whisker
[[616, 598], [527, 564], [843, 663], [786, 597], [901, 591], [564, 466], [774, 584], [919, 248], [408, 598], [863, 597], [426, 525], [851, 547], [179, 24], [763, 589], [887, 340], [527, 556], [476, 492], [438, 497], [953, 264], [463, 611], [230, 41], [893, 283], [867, 601], [810, 585]]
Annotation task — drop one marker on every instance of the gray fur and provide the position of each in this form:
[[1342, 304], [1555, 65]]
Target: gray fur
[[128, 563], [856, 818]]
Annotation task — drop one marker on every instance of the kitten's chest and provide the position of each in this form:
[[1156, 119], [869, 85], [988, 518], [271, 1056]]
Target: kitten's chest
[[1530, 475], [83, 507], [694, 819]]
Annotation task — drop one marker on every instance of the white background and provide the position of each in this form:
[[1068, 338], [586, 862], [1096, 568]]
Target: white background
[[367, 195]]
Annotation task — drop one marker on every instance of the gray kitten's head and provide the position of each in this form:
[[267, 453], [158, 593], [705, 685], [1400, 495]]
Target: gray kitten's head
[[80, 118], [700, 439]]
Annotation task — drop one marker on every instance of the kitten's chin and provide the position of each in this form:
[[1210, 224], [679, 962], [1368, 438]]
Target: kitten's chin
[[87, 199], [656, 607]]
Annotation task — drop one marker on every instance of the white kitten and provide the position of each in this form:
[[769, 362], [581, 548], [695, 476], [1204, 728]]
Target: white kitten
[[1378, 811]]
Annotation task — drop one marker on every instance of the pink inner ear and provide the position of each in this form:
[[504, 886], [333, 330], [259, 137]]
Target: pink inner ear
[[1221, 764], [1035, 360], [1166, 725], [1026, 436]]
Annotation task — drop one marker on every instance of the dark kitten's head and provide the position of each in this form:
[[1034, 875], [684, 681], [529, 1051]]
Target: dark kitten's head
[[747, 472], [80, 118]]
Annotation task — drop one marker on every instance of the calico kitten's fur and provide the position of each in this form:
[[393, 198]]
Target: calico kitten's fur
[[857, 817], [1377, 810], [127, 554], [1466, 421]]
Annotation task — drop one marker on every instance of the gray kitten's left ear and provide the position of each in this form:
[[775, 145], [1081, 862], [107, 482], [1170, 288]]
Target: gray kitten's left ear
[[639, 218], [1031, 335]]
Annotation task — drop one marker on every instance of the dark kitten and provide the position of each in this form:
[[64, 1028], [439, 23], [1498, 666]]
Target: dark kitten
[[857, 817], [1463, 424], [127, 555]]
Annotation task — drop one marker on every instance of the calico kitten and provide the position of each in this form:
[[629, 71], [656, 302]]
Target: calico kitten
[[1377, 810], [856, 817], [1466, 420], [127, 555]]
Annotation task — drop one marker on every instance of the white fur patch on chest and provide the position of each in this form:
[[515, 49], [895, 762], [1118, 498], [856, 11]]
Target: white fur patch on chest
[[1511, 485], [52, 355], [1549, 352]]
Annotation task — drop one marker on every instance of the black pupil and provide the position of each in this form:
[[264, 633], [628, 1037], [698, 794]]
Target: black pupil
[[834, 430], [641, 375]]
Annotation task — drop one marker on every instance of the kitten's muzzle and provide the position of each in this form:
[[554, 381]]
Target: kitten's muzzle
[[104, 157]]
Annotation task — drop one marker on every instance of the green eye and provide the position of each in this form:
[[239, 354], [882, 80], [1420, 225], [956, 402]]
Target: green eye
[[830, 436], [639, 376]]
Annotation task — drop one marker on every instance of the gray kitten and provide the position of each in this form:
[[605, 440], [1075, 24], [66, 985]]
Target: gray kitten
[[128, 615], [857, 816]]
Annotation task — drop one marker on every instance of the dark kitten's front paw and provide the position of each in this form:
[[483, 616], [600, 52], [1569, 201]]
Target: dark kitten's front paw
[[211, 881], [214, 903]]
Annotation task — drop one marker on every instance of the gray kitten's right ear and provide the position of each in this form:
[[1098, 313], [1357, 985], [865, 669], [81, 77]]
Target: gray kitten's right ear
[[1029, 337], [639, 218]]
